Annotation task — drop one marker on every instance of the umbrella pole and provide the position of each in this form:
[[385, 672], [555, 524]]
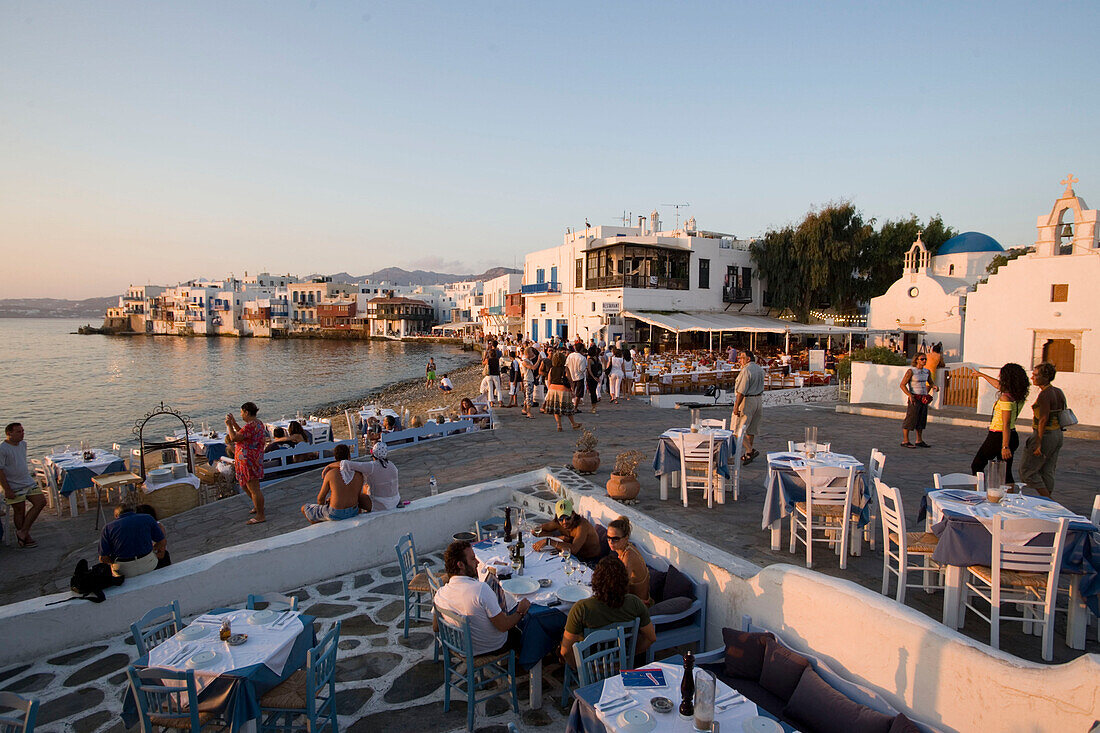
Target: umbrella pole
[[677, 342]]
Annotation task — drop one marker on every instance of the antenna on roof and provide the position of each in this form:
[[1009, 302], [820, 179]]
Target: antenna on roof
[[677, 207], [625, 218]]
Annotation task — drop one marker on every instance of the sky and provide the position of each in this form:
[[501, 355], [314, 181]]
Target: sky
[[154, 142]]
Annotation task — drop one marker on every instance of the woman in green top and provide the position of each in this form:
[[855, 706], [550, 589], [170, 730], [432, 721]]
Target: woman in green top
[[610, 604], [1001, 441]]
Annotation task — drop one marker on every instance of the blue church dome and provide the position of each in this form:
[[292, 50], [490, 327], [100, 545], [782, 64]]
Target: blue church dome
[[969, 242]]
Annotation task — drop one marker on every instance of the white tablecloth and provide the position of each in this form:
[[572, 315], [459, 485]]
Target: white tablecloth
[[319, 430], [730, 718], [539, 565], [1012, 506], [267, 644], [149, 487], [75, 459]]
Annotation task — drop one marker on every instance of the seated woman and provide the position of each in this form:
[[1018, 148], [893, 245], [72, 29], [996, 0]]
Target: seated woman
[[297, 434], [611, 603], [379, 476], [467, 407], [618, 538], [373, 429], [339, 497], [280, 442]]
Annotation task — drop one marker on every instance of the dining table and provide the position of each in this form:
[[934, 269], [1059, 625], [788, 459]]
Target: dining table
[[541, 629], [74, 472], [599, 707], [962, 520], [784, 487], [666, 460], [232, 679], [210, 444], [321, 432], [370, 411]]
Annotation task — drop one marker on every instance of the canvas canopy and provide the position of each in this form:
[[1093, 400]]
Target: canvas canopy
[[681, 321]]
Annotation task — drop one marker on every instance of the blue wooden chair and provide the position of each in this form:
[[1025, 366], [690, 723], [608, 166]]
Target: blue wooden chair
[[273, 601], [486, 527], [602, 654], [306, 700], [163, 706], [475, 673], [22, 715], [156, 626], [415, 584], [630, 641]]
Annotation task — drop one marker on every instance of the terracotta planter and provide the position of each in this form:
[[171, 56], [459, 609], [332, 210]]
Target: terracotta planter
[[623, 488], [586, 461]]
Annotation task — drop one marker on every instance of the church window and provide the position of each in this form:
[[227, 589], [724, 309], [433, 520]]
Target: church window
[[950, 269]]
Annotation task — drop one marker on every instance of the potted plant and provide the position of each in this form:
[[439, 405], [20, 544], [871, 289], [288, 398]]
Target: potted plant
[[623, 484], [585, 459]]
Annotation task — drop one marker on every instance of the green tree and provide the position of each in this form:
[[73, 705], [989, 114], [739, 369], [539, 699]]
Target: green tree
[[881, 262]]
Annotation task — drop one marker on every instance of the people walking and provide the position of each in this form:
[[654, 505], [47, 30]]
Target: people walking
[[577, 366], [1042, 449], [559, 398], [1001, 440], [595, 374], [615, 374], [748, 404]]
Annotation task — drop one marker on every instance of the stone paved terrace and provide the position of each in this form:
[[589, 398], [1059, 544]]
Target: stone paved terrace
[[521, 445], [385, 683]]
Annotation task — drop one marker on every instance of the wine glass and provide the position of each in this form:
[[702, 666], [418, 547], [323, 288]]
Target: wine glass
[[568, 572], [565, 555]]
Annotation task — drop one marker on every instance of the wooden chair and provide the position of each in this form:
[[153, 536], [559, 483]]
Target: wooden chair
[[22, 714], [875, 466], [415, 584], [898, 545], [630, 641], [484, 528], [156, 627], [827, 508], [469, 673], [697, 465], [600, 655], [47, 481], [272, 600], [305, 701], [1021, 574], [164, 703], [959, 480]]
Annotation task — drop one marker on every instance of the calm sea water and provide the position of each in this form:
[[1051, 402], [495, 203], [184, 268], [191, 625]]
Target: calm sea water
[[66, 388]]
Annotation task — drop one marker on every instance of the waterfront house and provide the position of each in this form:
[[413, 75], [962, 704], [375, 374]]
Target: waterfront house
[[497, 318]]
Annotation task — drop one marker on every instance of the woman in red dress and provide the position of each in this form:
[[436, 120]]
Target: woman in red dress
[[248, 442]]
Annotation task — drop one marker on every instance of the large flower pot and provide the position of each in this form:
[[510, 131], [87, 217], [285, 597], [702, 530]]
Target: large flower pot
[[623, 488], [586, 461]]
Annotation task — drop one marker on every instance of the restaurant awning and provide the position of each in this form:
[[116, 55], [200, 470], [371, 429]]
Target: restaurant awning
[[681, 321]]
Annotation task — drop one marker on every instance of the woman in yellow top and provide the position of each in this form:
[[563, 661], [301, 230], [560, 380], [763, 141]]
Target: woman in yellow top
[[618, 537], [1001, 441]]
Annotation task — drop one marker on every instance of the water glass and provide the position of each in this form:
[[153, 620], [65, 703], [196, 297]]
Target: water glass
[[704, 699], [811, 442]]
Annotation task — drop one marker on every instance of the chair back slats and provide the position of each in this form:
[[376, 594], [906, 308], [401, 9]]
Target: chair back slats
[[961, 480], [876, 464], [21, 719], [434, 581], [697, 465], [600, 655], [156, 699], [828, 484], [630, 636], [484, 528], [406, 557], [1011, 552], [892, 512], [321, 673], [713, 423], [272, 600], [454, 634], [156, 626]]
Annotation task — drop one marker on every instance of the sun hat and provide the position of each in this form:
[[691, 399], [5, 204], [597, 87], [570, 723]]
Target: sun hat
[[380, 451], [564, 508]]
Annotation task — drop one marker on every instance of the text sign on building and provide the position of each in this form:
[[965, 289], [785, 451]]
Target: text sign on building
[[817, 360], [612, 307]]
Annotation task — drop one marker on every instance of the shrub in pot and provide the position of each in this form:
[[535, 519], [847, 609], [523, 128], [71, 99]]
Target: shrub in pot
[[585, 458], [623, 484]]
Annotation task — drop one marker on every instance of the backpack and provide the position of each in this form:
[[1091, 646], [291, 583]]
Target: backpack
[[595, 368], [90, 582]]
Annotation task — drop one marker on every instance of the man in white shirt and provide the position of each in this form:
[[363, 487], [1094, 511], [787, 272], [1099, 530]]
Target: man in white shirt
[[491, 629], [576, 364], [19, 485]]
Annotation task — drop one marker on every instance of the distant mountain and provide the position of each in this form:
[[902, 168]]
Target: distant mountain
[[398, 276], [56, 308]]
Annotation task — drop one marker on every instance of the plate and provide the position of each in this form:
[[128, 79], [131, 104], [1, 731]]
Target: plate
[[236, 639], [1049, 508], [636, 720], [520, 586], [573, 593], [1013, 512], [261, 617], [760, 724], [202, 659], [662, 704], [194, 631]]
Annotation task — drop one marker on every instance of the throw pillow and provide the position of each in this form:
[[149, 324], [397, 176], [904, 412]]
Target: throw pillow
[[656, 584], [782, 670], [745, 652], [670, 605], [676, 585], [815, 706], [902, 724]]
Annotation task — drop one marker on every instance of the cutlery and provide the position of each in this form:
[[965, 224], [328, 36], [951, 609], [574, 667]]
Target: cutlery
[[279, 618], [617, 704], [178, 656]]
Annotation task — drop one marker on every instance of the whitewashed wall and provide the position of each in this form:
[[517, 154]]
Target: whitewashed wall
[[880, 383]]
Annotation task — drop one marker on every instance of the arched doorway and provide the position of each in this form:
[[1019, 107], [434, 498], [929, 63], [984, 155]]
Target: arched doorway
[[1061, 353]]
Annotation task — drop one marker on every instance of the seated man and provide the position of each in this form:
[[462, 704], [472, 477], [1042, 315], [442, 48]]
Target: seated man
[[610, 603], [339, 495], [389, 424], [281, 441], [131, 543], [578, 534], [379, 476], [445, 384], [491, 628]]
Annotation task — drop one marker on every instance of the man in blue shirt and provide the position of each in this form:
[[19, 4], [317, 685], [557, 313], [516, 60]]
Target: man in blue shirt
[[131, 542]]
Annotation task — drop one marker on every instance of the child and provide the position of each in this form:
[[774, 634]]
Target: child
[[445, 384]]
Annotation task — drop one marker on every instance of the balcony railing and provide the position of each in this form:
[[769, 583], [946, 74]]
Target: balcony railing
[[494, 310], [736, 295], [550, 287]]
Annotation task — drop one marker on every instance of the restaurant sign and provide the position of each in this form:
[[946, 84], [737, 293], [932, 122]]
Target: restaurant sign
[[612, 307]]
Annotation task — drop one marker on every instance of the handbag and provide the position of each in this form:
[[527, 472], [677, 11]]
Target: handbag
[[1065, 416]]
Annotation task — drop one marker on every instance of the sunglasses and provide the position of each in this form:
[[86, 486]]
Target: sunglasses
[[611, 538]]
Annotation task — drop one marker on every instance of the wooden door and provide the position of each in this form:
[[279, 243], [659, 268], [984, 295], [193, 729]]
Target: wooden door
[[1061, 353], [961, 388]]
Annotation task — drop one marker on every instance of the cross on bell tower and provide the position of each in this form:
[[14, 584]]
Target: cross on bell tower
[[1068, 182]]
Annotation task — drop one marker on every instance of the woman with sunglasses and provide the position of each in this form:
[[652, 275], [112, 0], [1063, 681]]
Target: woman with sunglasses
[[618, 537]]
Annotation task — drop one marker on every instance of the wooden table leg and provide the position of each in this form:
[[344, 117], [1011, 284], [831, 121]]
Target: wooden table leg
[[536, 686]]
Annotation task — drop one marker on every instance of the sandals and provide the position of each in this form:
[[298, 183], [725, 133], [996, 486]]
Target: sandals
[[255, 521], [24, 543], [922, 444], [748, 457], [907, 444]]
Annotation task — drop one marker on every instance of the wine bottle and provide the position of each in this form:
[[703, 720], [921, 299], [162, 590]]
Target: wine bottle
[[519, 553], [687, 687], [507, 524]]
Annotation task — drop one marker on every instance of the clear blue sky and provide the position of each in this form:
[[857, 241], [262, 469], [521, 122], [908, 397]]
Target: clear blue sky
[[158, 141]]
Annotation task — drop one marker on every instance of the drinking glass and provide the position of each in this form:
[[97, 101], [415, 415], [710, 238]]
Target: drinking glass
[[565, 554], [810, 445], [568, 572], [704, 699]]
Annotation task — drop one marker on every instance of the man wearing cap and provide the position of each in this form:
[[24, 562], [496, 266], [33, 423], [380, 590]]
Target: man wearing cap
[[578, 534]]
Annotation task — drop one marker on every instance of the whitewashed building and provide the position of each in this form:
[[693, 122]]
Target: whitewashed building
[[495, 315], [306, 297], [927, 303]]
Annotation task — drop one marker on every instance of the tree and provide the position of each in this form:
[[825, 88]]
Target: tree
[[816, 261], [881, 262]]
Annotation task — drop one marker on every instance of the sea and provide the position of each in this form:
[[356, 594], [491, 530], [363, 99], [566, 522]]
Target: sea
[[65, 387]]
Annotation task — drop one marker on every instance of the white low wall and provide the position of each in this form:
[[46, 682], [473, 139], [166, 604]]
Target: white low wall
[[933, 674], [226, 576], [771, 397], [881, 383]]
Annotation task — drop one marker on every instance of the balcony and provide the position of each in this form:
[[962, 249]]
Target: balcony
[[493, 310], [537, 288], [736, 295]]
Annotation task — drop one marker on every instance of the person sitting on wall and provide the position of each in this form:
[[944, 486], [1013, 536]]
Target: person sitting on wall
[[379, 488], [131, 542], [577, 533], [339, 497], [164, 559]]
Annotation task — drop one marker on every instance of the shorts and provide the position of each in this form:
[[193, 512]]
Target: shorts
[[325, 513], [578, 388], [445, 388], [431, 376], [22, 494], [752, 408]]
